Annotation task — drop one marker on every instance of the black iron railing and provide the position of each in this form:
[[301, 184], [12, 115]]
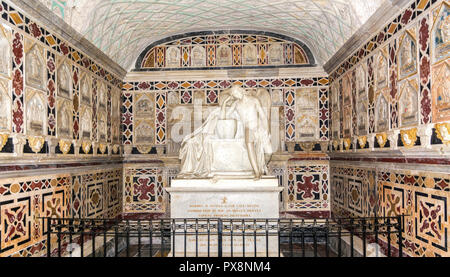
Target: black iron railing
[[375, 236]]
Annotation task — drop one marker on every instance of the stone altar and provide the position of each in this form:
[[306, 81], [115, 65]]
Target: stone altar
[[235, 199]]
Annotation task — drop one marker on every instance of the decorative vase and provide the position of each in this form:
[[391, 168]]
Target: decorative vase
[[226, 128]]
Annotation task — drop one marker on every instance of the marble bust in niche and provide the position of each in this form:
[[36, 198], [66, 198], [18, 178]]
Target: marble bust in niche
[[233, 141]]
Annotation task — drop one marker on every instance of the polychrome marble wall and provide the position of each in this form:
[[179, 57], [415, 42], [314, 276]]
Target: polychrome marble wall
[[177, 83], [59, 133], [83, 192], [366, 189], [393, 92], [390, 145]]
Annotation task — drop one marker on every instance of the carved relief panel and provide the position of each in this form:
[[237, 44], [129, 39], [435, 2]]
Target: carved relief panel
[[173, 57], [224, 55], [5, 106], [440, 72], [276, 54], [277, 96], [64, 80], [307, 122], [34, 66], [5, 50], [408, 104], [441, 34], [335, 117], [145, 132], [407, 54], [361, 116], [249, 55], [381, 113], [86, 122], [382, 70], [102, 95], [361, 81], [64, 119], [441, 91], [198, 58], [85, 90], [346, 90], [102, 127], [36, 112], [115, 106], [145, 105]]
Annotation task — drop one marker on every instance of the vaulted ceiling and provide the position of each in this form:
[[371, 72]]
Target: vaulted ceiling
[[123, 28]]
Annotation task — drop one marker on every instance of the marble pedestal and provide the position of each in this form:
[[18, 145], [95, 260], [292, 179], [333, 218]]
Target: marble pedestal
[[230, 158], [226, 199]]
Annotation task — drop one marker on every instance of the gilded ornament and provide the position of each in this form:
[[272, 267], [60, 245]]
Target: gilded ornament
[[144, 149], [409, 137], [64, 146], [362, 140], [347, 143], [381, 139], [442, 132], [102, 148], [3, 140], [86, 146], [36, 143]]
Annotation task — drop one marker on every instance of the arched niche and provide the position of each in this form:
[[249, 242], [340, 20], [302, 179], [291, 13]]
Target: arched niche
[[224, 49]]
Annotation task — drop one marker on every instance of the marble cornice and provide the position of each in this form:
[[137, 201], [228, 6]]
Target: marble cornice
[[218, 74], [47, 18]]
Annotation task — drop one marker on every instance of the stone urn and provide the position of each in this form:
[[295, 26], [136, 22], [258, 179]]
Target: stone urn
[[226, 128]]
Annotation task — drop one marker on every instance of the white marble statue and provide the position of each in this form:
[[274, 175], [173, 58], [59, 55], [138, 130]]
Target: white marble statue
[[240, 123]]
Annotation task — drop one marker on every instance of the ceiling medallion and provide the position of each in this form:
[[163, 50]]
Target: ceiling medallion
[[409, 137]]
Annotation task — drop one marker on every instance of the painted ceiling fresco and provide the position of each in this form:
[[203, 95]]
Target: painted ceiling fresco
[[123, 28]]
